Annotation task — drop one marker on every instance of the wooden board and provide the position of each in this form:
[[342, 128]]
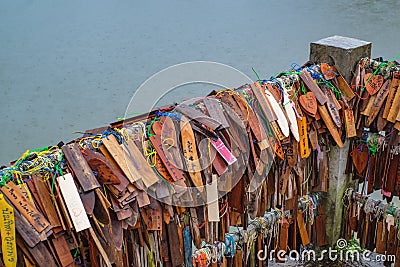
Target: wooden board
[[62, 250], [262, 100], [215, 111], [394, 85], [81, 169], [45, 198], [345, 88], [191, 156], [313, 86], [118, 154], [198, 116], [302, 229], [395, 107], [73, 202], [291, 116], [323, 112], [282, 121], [378, 103], [167, 149], [350, 123], [25, 207], [143, 169]]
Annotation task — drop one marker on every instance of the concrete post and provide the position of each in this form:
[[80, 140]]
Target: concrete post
[[345, 53]]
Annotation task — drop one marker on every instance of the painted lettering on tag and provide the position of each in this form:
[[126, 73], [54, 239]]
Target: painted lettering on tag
[[25, 207], [350, 123], [223, 151], [303, 144], [7, 229]]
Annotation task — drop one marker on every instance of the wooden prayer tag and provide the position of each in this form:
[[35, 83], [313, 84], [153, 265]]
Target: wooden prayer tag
[[394, 85], [73, 202], [212, 200], [305, 240], [379, 100], [308, 103], [80, 166], [7, 230], [329, 72], [360, 157], [323, 112], [191, 156], [350, 123], [25, 207], [303, 144], [313, 86], [373, 83]]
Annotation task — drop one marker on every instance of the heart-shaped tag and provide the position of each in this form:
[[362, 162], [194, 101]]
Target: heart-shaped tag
[[329, 72], [360, 157], [373, 83], [308, 102]]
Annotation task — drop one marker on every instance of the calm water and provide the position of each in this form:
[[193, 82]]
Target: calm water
[[68, 66]]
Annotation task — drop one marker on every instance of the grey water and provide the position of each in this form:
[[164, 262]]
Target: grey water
[[68, 66]]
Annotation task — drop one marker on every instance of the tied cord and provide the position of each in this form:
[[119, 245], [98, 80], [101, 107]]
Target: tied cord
[[168, 114]]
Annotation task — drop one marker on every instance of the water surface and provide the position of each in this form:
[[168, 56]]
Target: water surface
[[68, 66]]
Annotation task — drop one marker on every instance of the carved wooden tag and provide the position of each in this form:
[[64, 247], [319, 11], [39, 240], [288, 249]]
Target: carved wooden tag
[[106, 173], [360, 157], [189, 149], [303, 144], [350, 123], [373, 83], [391, 98], [279, 151], [308, 103], [329, 72], [379, 100], [394, 109], [25, 207], [323, 112], [283, 181], [291, 153], [332, 108]]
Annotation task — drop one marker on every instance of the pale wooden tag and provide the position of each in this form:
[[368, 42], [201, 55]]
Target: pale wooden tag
[[350, 123], [212, 200], [73, 202]]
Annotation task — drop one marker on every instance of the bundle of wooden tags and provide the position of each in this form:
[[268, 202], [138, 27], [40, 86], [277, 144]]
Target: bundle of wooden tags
[[204, 183], [374, 157]]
